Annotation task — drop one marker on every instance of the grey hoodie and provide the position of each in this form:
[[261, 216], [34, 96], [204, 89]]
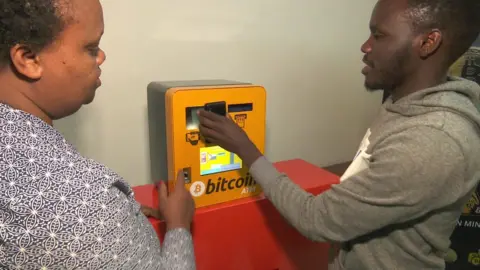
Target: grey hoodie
[[397, 208]]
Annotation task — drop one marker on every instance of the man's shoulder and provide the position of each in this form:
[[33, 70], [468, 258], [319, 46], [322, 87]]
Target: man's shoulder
[[443, 123], [435, 134]]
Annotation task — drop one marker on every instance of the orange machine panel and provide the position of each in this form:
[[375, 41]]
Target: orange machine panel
[[213, 175]]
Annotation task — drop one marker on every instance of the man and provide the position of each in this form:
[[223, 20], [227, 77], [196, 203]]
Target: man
[[398, 203], [58, 209]]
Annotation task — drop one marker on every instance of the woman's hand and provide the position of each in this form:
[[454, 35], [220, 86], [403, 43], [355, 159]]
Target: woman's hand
[[177, 208]]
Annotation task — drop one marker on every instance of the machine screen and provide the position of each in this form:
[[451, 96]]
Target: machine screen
[[214, 159]]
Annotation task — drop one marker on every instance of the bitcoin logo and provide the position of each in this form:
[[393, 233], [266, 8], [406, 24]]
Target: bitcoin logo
[[197, 189]]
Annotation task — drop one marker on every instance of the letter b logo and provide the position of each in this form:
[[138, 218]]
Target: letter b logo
[[197, 189]]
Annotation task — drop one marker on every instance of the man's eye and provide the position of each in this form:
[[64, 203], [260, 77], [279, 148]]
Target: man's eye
[[377, 35]]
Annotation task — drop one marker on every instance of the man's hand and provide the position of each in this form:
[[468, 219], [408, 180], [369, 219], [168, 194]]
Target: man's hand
[[176, 209], [227, 134]]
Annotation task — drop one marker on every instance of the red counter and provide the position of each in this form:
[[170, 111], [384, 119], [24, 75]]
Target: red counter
[[249, 234]]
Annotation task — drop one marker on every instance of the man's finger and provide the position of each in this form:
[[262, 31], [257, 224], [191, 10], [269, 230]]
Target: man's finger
[[230, 118], [210, 115], [205, 131], [207, 122], [210, 134]]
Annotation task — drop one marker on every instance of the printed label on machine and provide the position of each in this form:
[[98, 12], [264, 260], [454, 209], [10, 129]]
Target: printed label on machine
[[244, 186]]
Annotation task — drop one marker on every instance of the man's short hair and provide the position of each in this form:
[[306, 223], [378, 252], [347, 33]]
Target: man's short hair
[[459, 20], [35, 23]]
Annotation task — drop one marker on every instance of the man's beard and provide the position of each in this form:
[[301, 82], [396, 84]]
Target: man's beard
[[392, 76]]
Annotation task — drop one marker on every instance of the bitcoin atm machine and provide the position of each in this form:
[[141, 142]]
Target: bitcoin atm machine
[[212, 174]]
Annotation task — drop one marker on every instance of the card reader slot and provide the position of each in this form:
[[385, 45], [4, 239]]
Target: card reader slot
[[187, 174], [243, 107]]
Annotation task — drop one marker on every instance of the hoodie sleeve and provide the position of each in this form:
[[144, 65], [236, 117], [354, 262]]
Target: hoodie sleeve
[[410, 174]]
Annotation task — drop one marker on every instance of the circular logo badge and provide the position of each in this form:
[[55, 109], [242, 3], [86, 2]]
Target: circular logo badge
[[197, 189]]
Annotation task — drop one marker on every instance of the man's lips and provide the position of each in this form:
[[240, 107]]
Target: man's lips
[[368, 66], [99, 81], [366, 62], [366, 69]]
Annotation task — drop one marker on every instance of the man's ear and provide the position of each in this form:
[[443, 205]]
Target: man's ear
[[26, 62], [429, 43]]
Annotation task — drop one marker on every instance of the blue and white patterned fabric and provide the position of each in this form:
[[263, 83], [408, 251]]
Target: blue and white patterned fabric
[[60, 210]]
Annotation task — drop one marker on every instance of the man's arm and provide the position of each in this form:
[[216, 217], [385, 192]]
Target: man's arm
[[177, 250], [410, 174]]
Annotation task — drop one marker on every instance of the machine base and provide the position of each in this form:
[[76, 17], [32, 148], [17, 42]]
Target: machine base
[[250, 234]]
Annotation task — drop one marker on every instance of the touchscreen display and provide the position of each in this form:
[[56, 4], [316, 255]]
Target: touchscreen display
[[214, 159]]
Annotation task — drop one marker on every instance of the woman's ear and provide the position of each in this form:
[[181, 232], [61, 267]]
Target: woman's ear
[[26, 62]]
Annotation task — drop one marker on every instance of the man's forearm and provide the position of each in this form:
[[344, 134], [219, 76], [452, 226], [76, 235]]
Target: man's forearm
[[249, 155], [287, 197], [321, 218]]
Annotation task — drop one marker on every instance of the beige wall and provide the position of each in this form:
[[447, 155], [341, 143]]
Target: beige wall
[[306, 53]]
